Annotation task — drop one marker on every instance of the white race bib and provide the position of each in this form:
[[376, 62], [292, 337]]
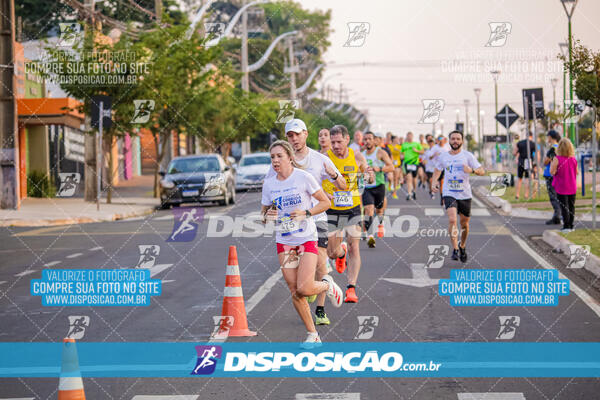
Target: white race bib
[[526, 164], [411, 167], [455, 185], [342, 198], [287, 225]]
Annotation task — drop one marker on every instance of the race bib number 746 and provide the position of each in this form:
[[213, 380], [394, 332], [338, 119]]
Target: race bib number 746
[[342, 198]]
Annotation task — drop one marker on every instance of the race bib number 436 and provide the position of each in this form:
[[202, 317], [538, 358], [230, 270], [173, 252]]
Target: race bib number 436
[[455, 185], [342, 198]]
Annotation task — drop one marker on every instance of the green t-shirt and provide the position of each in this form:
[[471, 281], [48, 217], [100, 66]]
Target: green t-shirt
[[410, 155]]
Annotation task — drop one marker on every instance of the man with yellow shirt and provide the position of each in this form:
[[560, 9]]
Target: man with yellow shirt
[[344, 214], [396, 150]]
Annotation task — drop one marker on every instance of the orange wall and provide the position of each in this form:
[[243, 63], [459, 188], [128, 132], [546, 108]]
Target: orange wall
[[49, 106]]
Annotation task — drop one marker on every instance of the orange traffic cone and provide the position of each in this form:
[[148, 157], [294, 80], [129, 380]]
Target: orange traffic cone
[[233, 299], [70, 386], [380, 231]]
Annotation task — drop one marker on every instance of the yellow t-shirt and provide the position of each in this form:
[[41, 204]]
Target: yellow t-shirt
[[349, 198]]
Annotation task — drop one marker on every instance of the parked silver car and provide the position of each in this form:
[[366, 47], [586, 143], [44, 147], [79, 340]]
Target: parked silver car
[[252, 170], [197, 178]]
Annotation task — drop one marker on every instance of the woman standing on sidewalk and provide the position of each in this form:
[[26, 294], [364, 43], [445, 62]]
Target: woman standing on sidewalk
[[564, 171], [287, 199]]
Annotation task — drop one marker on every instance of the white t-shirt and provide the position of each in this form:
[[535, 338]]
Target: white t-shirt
[[293, 193], [354, 146], [432, 163], [456, 181], [313, 164]]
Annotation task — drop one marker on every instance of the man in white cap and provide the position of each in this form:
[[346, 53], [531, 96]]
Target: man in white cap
[[321, 168]]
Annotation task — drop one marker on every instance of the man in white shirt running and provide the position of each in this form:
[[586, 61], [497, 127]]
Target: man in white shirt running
[[457, 164], [321, 168]]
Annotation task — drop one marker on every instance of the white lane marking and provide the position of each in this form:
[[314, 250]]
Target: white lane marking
[[438, 212], [74, 255], [491, 396], [586, 298], [163, 218], [480, 212], [263, 290], [479, 203], [158, 268], [327, 396], [26, 272], [431, 212], [179, 397], [20, 398], [167, 280], [420, 277], [96, 248], [1, 282], [51, 263], [132, 219]]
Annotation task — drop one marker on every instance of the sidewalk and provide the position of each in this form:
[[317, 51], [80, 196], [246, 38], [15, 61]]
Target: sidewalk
[[130, 199]]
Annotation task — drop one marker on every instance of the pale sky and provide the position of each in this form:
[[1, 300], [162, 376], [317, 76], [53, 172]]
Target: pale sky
[[419, 45]]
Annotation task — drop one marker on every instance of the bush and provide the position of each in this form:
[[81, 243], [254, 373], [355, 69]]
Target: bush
[[40, 184]]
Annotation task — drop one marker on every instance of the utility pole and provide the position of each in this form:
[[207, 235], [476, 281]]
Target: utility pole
[[90, 190], [477, 93], [245, 77], [9, 157], [341, 92], [157, 10], [290, 41]]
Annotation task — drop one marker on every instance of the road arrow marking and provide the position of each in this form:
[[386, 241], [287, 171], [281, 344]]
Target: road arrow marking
[[420, 277], [158, 268], [490, 396], [180, 397], [26, 272], [328, 396]]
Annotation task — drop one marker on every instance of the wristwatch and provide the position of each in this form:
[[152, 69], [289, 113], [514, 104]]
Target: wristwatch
[[308, 214], [336, 176]]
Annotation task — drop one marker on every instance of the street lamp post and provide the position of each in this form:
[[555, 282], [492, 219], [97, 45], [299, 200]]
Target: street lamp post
[[442, 125], [564, 48], [467, 130], [477, 93], [481, 117], [569, 15], [457, 115], [495, 75]]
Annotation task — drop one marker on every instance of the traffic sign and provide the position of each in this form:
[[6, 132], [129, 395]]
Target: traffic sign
[[106, 111], [529, 94], [507, 116], [460, 126]]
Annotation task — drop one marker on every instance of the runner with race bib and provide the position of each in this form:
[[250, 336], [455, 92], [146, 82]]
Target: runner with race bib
[[374, 195], [410, 154], [344, 214], [287, 199], [457, 165], [321, 168]]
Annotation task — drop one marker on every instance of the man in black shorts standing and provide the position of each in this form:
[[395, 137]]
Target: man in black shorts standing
[[457, 164], [524, 166]]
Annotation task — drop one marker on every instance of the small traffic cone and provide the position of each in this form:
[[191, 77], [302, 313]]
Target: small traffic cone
[[233, 299], [70, 386], [380, 231]]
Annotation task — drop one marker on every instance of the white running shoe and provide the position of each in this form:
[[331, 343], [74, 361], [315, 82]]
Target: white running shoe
[[334, 292], [312, 340]]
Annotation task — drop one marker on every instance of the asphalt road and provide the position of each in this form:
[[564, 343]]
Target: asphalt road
[[193, 275]]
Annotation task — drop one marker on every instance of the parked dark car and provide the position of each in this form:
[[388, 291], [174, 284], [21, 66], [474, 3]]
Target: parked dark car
[[197, 178]]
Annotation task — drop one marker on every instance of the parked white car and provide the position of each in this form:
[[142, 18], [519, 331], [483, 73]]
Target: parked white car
[[251, 171]]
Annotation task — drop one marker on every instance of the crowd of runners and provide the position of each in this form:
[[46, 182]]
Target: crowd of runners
[[324, 202]]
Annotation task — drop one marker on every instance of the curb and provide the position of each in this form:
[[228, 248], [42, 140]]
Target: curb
[[521, 212], [75, 221], [556, 241], [494, 201]]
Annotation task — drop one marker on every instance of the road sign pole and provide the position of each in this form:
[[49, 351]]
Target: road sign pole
[[594, 162], [509, 141], [99, 157], [526, 109]]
